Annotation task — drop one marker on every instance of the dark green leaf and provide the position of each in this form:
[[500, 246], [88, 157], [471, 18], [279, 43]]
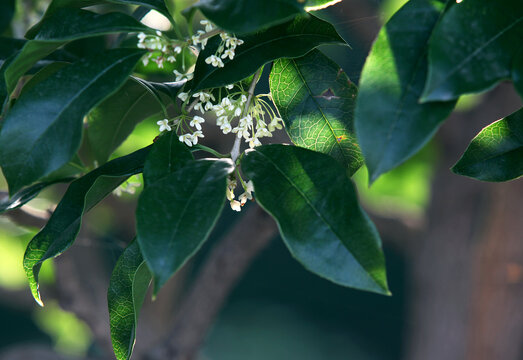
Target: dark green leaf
[[27, 194], [158, 5], [167, 155], [9, 46], [34, 146], [169, 89], [517, 73], [176, 214], [316, 100], [82, 195], [496, 153], [291, 39], [6, 14], [473, 48], [317, 211], [243, 16], [129, 283], [111, 122], [391, 124], [63, 26]]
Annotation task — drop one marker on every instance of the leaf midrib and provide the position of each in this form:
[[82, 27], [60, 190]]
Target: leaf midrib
[[316, 211]]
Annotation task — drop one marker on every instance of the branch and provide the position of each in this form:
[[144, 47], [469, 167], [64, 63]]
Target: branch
[[225, 265]]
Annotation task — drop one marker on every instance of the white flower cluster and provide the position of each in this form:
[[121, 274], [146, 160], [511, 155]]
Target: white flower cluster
[[160, 48], [232, 116], [128, 187], [248, 188], [226, 49]]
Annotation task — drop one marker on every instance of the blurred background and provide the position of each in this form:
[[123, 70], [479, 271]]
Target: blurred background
[[454, 250]]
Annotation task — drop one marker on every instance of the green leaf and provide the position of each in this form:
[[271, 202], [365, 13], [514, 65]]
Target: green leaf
[[316, 100], [243, 16], [158, 5], [111, 122], [7, 13], [473, 48], [292, 39], [167, 155], [176, 214], [63, 26], [34, 146], [496, 153], [82, 195], [391, 124], [9, 46], [27, 194], [127, 289], [317, 211]]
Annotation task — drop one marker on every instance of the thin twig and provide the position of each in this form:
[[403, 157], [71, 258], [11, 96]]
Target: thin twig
[[225, 265]]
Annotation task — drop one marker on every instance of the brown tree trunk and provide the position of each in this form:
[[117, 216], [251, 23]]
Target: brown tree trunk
[[459, 281]]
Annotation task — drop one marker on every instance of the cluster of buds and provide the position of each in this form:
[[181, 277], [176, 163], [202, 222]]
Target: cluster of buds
[[248, 188], [160, 48], [128, 187]]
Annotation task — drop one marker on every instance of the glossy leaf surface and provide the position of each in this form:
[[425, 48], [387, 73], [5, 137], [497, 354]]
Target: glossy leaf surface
[[63, 26], [127, 289], [391, 124], [82, 195], [243, 16], [176, 214], [496, 153], [473, 48], [158, 5], [332, 236], [167, 155], [111, 122], [316, 100], [34, 146], [292, 39]]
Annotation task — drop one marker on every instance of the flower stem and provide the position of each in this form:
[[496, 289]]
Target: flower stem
[[235, 151]]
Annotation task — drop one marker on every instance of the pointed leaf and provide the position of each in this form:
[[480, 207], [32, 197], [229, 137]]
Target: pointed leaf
[[34, 146], [496, 153], [167, 155], [176, 214], [27, 194], [158, 5], [473, 48], [316, 100], [292, 39], [242, 16], [82, 195], [391, 124], [127, 289], [111, 122], [332, 236], [63, 26]]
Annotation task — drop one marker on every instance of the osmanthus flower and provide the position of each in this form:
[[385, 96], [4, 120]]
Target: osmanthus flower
[[247, 195], [164, 125], [236, 205], [196, 121]]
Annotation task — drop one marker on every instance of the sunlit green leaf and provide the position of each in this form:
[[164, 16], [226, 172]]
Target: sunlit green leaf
[[332, 236], [242, 16], [82, 195], [496, 153], [129, 283], [63, 26], [111, 122], [34, 146], [473, 48], [292, 39], [158, 5], [176, 214], [391, 124], [316, 100]]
